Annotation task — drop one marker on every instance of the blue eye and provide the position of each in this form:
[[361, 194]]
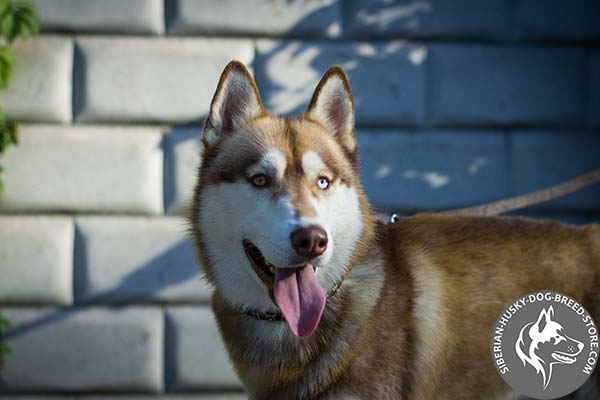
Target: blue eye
[[323, 183]]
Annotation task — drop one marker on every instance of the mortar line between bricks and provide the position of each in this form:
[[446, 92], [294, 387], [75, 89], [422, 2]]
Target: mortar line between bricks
[[585, 128], [167, 127], [429, 74], [339, 40], [434, 39], [158, 217], [586, 76], [77, 239], [110, 306], [509, 163], [166, 158], [164, 366], [77, 83], [73, 54], [342, 18], [163, 20], [167, 352], [73, 260]]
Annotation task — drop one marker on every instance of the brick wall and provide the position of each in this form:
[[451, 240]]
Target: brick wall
[[457, 103]]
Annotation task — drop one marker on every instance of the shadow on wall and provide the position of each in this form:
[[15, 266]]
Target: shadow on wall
[[382, 75], [387, 77], [389, 83], [146, 284]]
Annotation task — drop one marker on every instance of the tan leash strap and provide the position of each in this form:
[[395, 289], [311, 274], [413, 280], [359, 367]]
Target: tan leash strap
[[529, 199]]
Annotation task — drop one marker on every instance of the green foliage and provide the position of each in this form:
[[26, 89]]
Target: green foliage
[[8, 136], [4, 351], [7, 59], [8, 132], [18, 18]]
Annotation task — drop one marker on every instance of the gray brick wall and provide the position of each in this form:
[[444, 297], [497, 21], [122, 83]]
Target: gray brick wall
[[457, 103]]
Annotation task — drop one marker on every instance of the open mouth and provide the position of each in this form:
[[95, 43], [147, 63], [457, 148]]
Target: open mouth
[[294, 288], [563, 358], [264, 269]]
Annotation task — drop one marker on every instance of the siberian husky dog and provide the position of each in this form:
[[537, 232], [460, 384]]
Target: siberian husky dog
[[315, 300]]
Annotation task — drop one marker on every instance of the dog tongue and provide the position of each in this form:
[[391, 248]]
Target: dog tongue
[[300, 298]]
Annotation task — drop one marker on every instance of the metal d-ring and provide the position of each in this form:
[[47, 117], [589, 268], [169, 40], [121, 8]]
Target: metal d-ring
[[394, 218]]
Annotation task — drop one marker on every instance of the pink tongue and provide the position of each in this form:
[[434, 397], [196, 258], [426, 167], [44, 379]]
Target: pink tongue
[[300, 298]]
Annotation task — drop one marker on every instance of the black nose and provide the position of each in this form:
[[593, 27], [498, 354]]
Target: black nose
[[309, 242]]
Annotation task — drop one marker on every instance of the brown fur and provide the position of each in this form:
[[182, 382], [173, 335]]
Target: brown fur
[[414, 317]]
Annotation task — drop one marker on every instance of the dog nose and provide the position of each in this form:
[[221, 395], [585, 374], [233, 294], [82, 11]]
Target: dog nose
[[309, 242]]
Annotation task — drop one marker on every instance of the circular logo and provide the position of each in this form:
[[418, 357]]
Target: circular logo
[[545, 345]]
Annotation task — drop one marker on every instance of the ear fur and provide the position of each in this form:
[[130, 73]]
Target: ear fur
[[235, 101], [333, 107]]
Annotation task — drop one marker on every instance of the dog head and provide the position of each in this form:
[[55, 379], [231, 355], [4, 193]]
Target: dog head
[[278, 213], [544, 343]]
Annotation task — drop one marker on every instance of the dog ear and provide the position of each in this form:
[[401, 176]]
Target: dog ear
[[236, 100], [543, 319], [332, 106]]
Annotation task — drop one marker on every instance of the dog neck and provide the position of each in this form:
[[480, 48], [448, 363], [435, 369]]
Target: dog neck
[[276, 316], [273, 363]]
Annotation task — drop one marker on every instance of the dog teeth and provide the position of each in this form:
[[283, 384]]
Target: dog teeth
[[564, 358]]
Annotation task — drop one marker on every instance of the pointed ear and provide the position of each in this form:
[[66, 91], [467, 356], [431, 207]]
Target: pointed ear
[[332, 106], [236, 100], [542, 320]]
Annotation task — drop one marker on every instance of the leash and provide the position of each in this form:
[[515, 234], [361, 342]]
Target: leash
[[522, 201], [529, 199]]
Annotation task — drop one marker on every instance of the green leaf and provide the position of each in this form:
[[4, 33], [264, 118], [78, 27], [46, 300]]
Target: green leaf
[[8, 135], [11, 128], [4, 351], [9, 26], [26, 4], [4, 323], [4, 4], [7, 59], [18, 19]]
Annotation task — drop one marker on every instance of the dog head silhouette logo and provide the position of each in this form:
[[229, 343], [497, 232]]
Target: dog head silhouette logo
[[544, 344]]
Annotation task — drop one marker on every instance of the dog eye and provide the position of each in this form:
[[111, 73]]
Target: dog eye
[[259, 180], [323, 183]]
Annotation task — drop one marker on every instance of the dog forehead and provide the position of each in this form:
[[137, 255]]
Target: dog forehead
[[272, 160], [281, 145], [312, 163], [317, 150]]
